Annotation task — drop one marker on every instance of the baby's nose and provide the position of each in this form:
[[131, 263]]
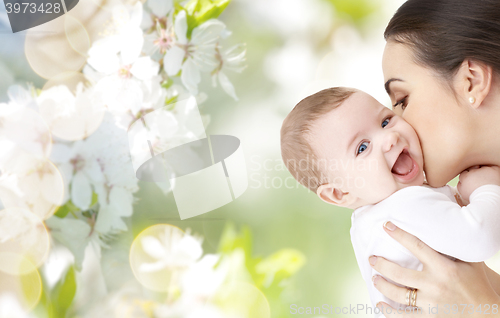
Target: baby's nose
[[391, 139]]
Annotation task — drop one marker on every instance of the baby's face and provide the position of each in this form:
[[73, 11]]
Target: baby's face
[[369, 152]]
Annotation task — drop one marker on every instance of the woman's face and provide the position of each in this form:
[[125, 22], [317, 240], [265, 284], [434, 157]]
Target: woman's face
[[425, 101]]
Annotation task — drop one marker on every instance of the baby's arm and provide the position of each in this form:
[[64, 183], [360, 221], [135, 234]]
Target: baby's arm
[[470, 233], [475, 177]]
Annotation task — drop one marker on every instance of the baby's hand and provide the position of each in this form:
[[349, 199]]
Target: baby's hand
[[475, 177]]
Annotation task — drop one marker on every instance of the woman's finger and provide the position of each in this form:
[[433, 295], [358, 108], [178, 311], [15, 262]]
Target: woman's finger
[[424, 253], [403, 276], [409, 312], [391, 291]]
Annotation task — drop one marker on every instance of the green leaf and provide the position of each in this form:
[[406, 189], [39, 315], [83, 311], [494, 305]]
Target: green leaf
[[65, 209], [231, 240], [200, 11], [356, 10], [167, 83], [31, 283], [285, 262], [171, 102], [64, 292], [211, 10], [192, 6], [87, 214], [44, 308], [95, 198], [62, 211]]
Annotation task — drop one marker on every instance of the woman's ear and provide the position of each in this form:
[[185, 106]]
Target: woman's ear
[[333, 195], [475, 78]]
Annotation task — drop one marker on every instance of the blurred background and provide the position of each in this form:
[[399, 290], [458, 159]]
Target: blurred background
[[294, 48]]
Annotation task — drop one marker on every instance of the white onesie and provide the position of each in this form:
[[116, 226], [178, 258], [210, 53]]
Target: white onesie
[[470, 233]]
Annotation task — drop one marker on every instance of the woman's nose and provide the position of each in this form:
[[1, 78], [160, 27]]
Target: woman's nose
[[391, 139]]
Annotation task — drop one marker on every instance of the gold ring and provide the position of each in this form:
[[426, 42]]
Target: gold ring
[[408, 292], [414, 298]]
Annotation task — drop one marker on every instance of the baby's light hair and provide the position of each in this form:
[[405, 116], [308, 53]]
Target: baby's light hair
[[296, 150]]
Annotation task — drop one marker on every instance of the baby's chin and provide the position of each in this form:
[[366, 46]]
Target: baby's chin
[[418, 180]]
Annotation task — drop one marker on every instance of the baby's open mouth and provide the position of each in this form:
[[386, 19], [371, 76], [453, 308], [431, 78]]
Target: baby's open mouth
[[405, 167], [404, 164]]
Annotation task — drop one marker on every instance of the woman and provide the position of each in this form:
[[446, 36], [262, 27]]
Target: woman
[[442, 70]]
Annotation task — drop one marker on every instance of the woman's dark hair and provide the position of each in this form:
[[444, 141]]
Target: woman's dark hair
[[443, 33]]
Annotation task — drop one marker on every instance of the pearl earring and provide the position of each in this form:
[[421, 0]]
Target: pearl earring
[[472, 100]]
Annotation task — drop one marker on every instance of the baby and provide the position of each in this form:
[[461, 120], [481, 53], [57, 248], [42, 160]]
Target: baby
[[353, 152]]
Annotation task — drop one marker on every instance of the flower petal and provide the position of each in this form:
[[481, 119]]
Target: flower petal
[[152, 267], [181, 27], [160, 7], [136, 14], [93, 170], [152, 246], [227, 85], [72, 233], [208, 32], [121, 200], [145, 68], [81, 191], [189, 248], [103, 55], [191, 76], [60, 153], [132, 42], [173, 60]]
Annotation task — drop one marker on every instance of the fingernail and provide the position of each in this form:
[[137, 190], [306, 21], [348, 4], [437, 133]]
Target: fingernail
[[372, 260], [390, 226], [379, 304], [374, 277]]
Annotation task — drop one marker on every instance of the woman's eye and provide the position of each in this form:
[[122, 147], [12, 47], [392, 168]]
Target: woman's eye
[[385, 122], [362, 147], [402, 103]]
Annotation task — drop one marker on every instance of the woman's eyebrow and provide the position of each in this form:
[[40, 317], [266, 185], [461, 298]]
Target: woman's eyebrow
[[388, 83]]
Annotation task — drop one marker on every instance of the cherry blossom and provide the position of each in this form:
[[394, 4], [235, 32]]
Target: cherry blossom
[[231, 59], [195, 54], [172, 250]]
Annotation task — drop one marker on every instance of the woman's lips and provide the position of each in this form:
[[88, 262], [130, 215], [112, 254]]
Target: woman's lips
[[405, 168]]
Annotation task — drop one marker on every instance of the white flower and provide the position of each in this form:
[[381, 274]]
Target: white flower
[[121, 69], [75, 234], [202, 279], [172, 249], [24, 233], [165, 128], [22, 131], [116, 193], [158, 11], [80, 169], [38, 186], [194, 55], [160, 8], [70, 117], [101, 164], [124, 44], [231, 60], [161, 39]]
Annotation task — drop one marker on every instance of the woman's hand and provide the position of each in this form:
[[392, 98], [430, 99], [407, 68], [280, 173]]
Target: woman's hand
[[444, 287]]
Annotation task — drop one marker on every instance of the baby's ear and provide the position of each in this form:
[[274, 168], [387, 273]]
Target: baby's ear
[[333, 195]]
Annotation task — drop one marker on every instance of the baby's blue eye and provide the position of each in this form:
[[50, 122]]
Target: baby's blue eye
[[385, 123], [363, 147]]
